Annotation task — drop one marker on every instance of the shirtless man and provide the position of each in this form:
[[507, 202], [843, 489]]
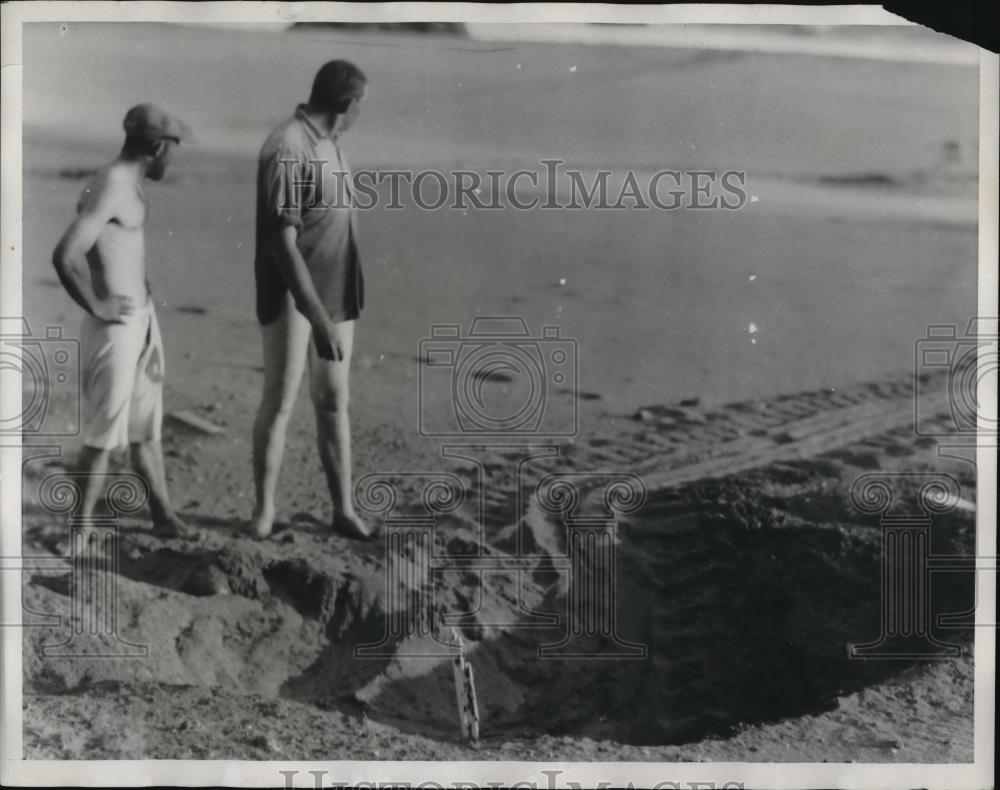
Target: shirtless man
[[310, 289], [101, 263]]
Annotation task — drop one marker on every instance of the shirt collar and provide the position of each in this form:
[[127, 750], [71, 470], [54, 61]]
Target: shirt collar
[[314, 133]]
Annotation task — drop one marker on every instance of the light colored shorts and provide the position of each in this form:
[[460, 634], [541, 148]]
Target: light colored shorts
[[122, 371]]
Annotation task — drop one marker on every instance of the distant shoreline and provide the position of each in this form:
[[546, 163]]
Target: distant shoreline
[[895, 43], [905, 44]]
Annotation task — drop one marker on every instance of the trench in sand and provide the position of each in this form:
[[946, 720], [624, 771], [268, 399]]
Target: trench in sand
[[744, 603], [744, 592]]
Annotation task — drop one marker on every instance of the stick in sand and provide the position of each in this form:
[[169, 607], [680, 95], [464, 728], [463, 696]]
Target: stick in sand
[[192, 420]]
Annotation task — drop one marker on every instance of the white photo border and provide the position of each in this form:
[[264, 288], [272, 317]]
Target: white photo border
[[16, 771]]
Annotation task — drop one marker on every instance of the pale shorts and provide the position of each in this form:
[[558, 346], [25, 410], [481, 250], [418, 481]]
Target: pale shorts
[[122, 371]]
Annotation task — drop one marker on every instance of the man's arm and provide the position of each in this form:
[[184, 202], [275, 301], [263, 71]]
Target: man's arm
[[296, 276], [70, 260]]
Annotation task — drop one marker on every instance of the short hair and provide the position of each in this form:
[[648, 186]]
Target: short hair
[[336, 84]]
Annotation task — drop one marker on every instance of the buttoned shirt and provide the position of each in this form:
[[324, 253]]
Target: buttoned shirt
[[303, 181]]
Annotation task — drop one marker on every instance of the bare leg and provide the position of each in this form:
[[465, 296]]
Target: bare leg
[[330, 394], [285, 344], [93, 462], [147, 458]]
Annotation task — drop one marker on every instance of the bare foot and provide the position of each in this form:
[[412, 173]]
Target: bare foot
[[260, 526], [172, 527], [349, 525]]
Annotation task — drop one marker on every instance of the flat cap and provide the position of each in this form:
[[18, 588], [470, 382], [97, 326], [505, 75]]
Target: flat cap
[[152, 123]]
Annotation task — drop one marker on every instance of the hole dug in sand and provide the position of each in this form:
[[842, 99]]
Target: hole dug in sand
[[744, 595]]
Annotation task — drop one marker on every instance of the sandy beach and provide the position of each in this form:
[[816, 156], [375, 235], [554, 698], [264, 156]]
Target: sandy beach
[[746, 365]]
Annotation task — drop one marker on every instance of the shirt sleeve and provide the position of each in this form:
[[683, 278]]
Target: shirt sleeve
[[282, 179]]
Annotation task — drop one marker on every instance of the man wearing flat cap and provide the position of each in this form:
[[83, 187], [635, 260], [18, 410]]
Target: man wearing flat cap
[[310, 289], [101, 263]]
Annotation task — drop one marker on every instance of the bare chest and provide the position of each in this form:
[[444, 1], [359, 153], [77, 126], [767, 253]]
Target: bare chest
[[131, 214]]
